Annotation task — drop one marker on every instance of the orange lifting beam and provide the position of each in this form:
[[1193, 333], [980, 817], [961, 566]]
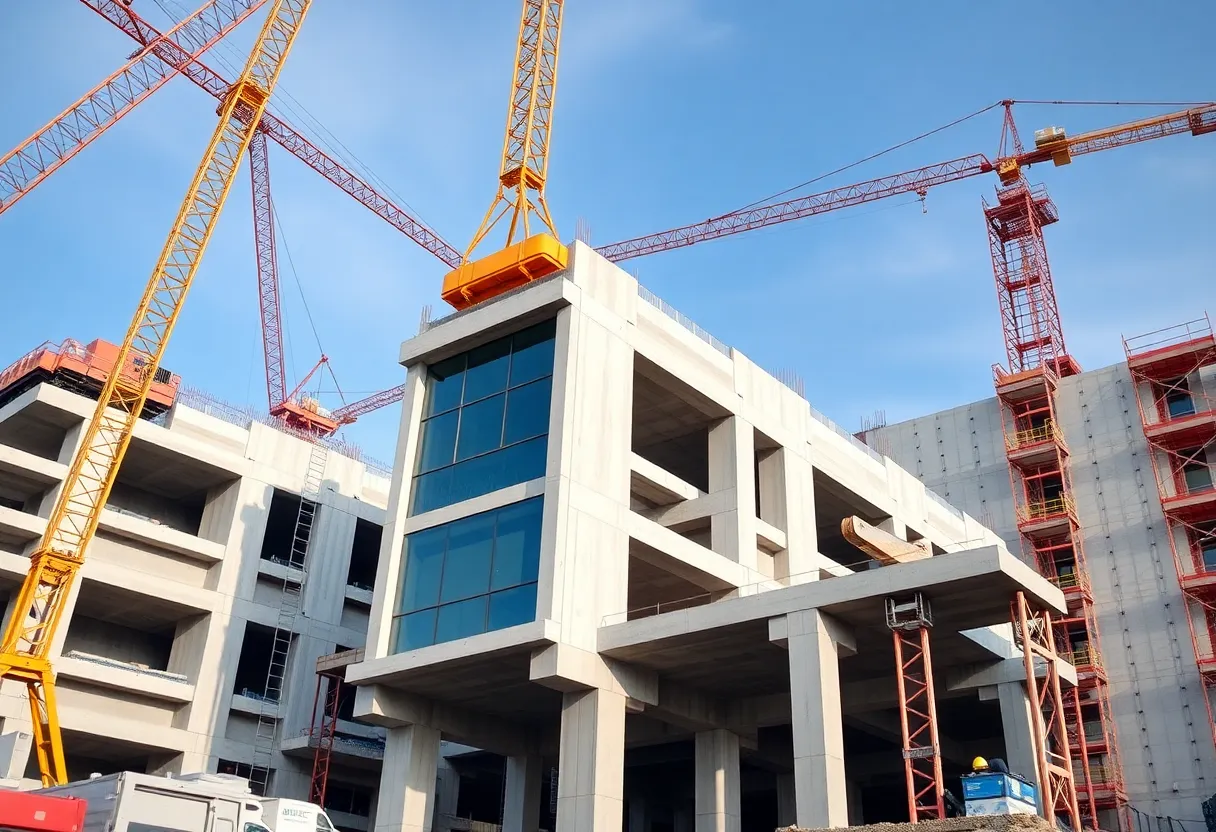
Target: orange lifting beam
[[521, 179]]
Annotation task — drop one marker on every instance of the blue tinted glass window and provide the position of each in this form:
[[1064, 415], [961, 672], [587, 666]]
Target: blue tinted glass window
[[414, 630], [487, 373], [512, 607], [432, 491], [532, 353], [444, 383], [438, 442], [517, 545], [480, 427], [527, 411], [467, 568], [490, 420], [423, 569], [461, 620], [469, 576]]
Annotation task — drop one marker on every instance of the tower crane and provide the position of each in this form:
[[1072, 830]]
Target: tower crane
[[1056, 147], [56, 560], [158, 58], [1051, 146], [522, 175]]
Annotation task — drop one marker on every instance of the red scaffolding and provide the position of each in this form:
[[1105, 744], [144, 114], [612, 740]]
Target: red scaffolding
[[1049, 713], [1179, 421], [331, 677], [1038, 456], [910, 622]]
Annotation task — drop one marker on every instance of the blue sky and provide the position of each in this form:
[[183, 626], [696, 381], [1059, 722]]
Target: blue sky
[[667, 112]]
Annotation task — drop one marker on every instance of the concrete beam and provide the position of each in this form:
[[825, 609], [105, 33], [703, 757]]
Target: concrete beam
[[566, 668], [381, 705], [658, 485]]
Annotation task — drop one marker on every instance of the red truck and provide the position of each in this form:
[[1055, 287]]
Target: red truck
[[28, 812]]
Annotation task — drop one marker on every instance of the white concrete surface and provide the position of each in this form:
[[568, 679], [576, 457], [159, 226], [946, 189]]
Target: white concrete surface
[[1157, 698], [678, 475], [156, 623]]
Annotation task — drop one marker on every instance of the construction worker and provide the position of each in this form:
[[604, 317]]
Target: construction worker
[[996, 766]]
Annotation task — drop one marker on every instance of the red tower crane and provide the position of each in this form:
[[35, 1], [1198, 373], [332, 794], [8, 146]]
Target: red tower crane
[[161, 56]]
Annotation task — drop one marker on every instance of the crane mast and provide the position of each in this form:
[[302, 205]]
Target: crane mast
[[521, 178], [55, 562]]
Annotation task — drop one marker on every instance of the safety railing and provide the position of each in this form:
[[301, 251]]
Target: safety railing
[[243, 417], [1170, 336], [844, 434], [30, 360], [1085, 657], [1043, 509], [682, 319], [1032, 436], [765, 585]]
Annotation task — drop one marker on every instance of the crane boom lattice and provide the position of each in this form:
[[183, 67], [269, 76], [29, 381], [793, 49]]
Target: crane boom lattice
[[55, 562], [525, 168], [164, 55]]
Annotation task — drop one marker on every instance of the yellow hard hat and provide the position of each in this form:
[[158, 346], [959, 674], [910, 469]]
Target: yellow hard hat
[[979, 764]]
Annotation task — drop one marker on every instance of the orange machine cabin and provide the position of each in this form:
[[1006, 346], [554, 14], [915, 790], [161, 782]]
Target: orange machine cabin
[[83, 369], [535, 257]]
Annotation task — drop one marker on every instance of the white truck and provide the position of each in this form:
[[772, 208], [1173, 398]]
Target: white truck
[[133, 802]]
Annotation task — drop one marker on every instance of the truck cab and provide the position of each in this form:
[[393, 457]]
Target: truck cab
[[279, 814]]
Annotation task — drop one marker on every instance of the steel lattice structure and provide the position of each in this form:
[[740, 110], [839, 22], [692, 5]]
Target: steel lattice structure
[[57, 558], [1036, 636], [1179, 424], [910, 624], [160, 58]]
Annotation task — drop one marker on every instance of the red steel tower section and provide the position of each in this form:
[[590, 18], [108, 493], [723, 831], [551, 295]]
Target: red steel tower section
[[331, 677], [910, 622], [1172, 370], [1038, 456]]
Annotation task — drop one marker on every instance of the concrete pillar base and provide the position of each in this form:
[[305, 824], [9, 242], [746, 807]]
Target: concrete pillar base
[[521, 810], [406, 798], [717, 781], [591, 773]]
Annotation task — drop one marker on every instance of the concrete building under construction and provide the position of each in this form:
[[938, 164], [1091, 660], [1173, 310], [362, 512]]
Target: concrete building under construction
[[1104, 481], [164, 660], [617, 561]]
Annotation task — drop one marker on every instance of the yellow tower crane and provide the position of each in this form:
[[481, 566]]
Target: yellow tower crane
[[25, 651], [521, 179]]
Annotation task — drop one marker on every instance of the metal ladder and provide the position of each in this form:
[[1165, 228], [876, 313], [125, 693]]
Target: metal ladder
[[290, 603]]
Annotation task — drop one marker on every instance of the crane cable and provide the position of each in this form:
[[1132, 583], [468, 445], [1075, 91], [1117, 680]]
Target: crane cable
[[959, 121]]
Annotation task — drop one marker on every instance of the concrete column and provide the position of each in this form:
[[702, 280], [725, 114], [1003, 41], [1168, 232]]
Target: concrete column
[[787, 501], [447, 795], [405, 799], [521, 812], [15, 745], [717, 781], [638, 814], [787, 807], [732, 468], [1018, 728], [856, 816], [819, 781], [591, 767]]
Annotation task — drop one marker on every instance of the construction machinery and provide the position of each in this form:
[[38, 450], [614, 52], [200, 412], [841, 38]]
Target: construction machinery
[[522, 175], [29, 812], [84, 368], [196, 803], [57, 558]]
